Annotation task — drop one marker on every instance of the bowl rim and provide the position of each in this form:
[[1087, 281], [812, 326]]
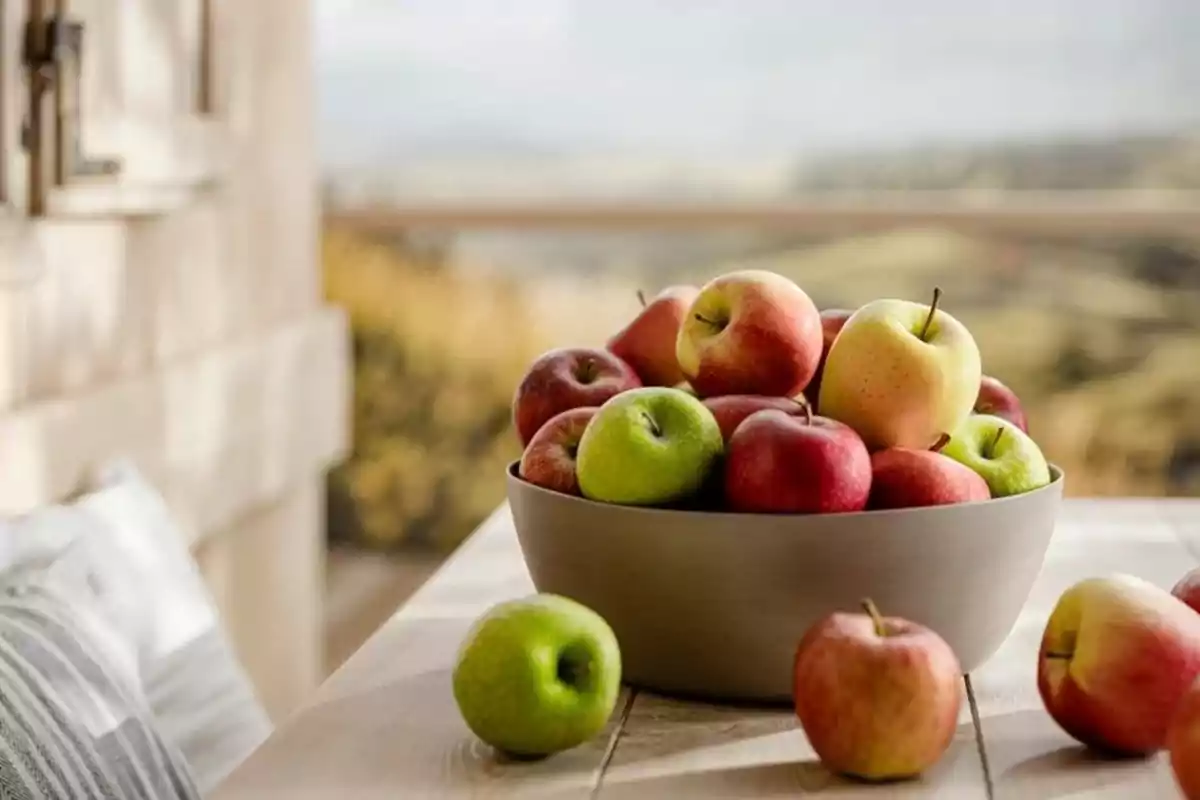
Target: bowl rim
[[513, 477]]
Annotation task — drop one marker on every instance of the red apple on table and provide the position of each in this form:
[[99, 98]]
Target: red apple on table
[[1116, 657], [832, 320], [1187, 589], [1183, 743], [878, 697], [750, 332], [647, 343], [904, 478], [998, 400], [549, 458], [731, 409], [777, 462], [565, 378]]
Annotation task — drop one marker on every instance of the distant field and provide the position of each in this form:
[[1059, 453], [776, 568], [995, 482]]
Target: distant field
[[1100, 338]]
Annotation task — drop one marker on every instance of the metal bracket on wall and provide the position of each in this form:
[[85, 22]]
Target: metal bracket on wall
[[52, 55]]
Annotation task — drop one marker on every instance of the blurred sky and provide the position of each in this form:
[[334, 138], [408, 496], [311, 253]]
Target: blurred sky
[[730, 78]]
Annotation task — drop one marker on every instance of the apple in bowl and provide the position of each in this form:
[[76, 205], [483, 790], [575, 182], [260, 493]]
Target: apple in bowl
[[564, 378], [647, 343]]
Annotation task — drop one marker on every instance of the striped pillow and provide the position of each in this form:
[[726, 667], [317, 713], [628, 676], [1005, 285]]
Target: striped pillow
[[73, 723]]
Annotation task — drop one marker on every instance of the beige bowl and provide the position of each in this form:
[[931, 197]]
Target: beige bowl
[[712, 604]]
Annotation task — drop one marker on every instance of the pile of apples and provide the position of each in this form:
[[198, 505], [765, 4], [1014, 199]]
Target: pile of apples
[[742, 396]]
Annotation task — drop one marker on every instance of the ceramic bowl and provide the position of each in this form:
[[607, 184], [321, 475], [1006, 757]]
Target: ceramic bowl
[[712, 604]]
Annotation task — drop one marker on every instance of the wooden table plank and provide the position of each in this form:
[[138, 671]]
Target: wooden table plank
[[385, 725], [1028, 754]]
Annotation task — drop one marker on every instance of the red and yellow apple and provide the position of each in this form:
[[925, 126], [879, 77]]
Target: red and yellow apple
[[901, 374], [903, 478], [1187, 589], [549, 458], [731, 409], [777, 462], [878, 697], [1117, 655], [647, 343], [750, 332], [1000, 401], [1183, 743], [832, 320], [565, 378]]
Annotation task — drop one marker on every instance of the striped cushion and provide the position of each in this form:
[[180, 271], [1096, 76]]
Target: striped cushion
[[73, 723]]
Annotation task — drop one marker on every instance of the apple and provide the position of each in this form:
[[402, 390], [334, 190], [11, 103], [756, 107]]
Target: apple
[[537, 675], [731, 409], [1004, 455], [684, 386], [567, 377], [549, 458], [878, 697], [1116, 656], [777, 462], [901, 374], [903, 478], [832, 321], [1183, 743], [750, 332], [998, 400], [647, 343], [1187, 589], [649, 446]]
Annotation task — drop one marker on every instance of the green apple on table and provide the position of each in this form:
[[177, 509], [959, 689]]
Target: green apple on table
[[537, 675], [901, 374], [648, 446], [1003, 455]]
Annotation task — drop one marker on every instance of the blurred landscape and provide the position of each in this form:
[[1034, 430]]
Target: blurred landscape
[[566, 99]]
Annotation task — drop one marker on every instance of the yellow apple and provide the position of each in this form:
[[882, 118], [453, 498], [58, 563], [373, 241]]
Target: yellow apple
[[901, 374]]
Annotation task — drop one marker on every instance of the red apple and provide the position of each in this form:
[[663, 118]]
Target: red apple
[[1183, 743], [750, 332], [564, 378], [780, 463], [903, 478], [1116, 657], [998, 400], [731, 409], [647, 343], [832, 320], [1188, 589], [877, 697], [549, 458]]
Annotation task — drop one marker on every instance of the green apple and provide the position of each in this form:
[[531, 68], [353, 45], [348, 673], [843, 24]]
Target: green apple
[[1003, 455], [648, 446], [901, 374], [537, 675]]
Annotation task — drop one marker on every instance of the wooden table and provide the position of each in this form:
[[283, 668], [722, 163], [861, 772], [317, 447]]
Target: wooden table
[[385, 725]]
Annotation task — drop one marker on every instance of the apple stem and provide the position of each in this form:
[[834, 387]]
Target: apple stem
[[996, 440], [869, 606], [937, 295], [1058, 656], [942, 441], [657, 431], [808, 415], [641, 296], [705, 320]]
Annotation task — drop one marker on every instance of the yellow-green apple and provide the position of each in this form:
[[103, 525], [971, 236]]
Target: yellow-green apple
[[1004, 455], [731, 409], [878, 697], [997, 399], [1183, 743], [537, 675], [904, 478], [649, 446], [750, 332], [901, 374], [777, 462], [1187, 589], [1116, 656], [832, 320], [549, 458], [647, 343], [567, 377]]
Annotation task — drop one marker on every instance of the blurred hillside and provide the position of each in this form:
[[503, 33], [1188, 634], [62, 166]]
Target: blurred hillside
[[1101, 338]]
